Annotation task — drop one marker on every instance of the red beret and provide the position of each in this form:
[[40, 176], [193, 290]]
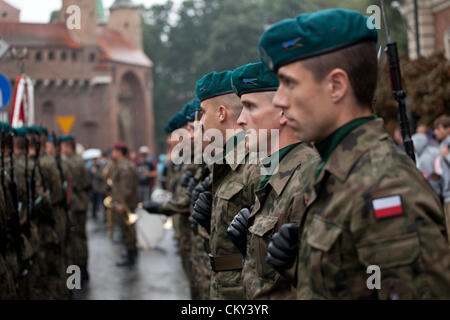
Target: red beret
[[120, 145]]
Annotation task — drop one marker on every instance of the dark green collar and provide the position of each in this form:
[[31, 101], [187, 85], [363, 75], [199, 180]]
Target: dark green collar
[[329, 144], [267, 162]]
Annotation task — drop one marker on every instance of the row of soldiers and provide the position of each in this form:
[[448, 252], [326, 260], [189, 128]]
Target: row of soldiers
[[336, 210], [43, 204]]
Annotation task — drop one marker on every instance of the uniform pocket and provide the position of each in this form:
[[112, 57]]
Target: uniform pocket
[[229, 189], [393, 251], [225, 195], [324, 263], [261, 232]]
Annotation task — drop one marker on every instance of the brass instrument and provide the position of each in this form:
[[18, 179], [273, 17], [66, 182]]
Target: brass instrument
[[108, 202]]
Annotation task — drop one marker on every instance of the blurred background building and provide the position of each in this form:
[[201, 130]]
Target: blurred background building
[[98, 74]]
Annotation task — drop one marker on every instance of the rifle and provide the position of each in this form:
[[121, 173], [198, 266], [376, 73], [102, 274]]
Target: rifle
[[69, 225], [3, 232], [16, 227], [397, 89]]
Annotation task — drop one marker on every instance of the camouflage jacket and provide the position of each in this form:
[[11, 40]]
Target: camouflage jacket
[[180, 202], [280, 201], [125, 182], [79, 183], [370, 206], [234, 185]]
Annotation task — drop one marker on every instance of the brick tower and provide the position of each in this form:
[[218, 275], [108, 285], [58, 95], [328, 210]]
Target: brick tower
[[125, 17]]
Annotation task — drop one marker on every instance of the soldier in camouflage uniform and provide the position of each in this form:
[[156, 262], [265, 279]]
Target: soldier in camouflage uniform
[[234, 184], [179, 207], [367, 204], [124, 191], [200, 263], [57, 259], [31, 217], [51, 254], [279, 198], [79, 201]]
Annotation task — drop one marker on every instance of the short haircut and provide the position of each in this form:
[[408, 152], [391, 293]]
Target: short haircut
[[443, 120], [231, 101], [19, 143], [360, 63]]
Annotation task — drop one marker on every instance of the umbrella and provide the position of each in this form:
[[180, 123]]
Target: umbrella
[[91, 154]]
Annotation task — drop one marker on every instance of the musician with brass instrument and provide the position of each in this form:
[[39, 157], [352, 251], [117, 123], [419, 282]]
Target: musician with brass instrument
[[124, 200]]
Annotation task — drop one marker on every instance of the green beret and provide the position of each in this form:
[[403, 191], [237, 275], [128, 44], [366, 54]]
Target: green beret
[[21, 132], [213, 85], [5, 127], [254, 77], [67, 138], [190, 109], [313, 34]]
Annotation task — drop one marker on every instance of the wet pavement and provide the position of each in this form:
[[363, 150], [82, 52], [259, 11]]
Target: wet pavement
[[158, 274]]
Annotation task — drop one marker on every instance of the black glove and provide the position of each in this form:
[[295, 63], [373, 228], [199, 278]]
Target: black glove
[[150, 206], [190, 187], [237, 230], [196, 193], [283, 249], [202, 187], [207, 182], [202, 210], [187, 175]]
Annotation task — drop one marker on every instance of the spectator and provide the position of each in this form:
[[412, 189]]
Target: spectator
[[147, 173], [426, 153], [442, 132]]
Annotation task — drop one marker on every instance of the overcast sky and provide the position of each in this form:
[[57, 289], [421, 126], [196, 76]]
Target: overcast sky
[[39, 10]]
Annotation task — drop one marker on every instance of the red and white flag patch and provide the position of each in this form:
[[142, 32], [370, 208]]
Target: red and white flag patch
[[387, 207]]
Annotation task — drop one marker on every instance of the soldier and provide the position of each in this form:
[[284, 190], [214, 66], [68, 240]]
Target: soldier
[[79, 201], [124, 192], [179, 207], [367, 204], [28, 286], [48, 172], [8, 271], [279, 198], [43, 185], [234, 183]]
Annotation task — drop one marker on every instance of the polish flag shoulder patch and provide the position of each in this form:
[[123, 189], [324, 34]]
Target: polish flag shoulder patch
[[387, 207]]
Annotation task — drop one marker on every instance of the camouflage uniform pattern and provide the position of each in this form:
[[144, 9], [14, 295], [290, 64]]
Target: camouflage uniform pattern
[[78, 199], [280, 201], [341, 236], [200, 266], [125, 191], [234, 186]]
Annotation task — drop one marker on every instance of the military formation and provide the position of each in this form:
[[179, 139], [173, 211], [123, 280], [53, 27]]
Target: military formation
[[330, 198], [43, 213], [284, 183]]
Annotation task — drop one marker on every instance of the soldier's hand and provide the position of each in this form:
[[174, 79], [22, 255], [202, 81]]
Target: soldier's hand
[[283, 249], [196, 193], [187, 175], [190, 187], [207, 182], [237, 230], [202, 210], [150, 206]]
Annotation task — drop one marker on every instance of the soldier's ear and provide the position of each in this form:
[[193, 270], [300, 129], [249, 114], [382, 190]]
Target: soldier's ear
[[283, 120], [338, 85], [222, 113]]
